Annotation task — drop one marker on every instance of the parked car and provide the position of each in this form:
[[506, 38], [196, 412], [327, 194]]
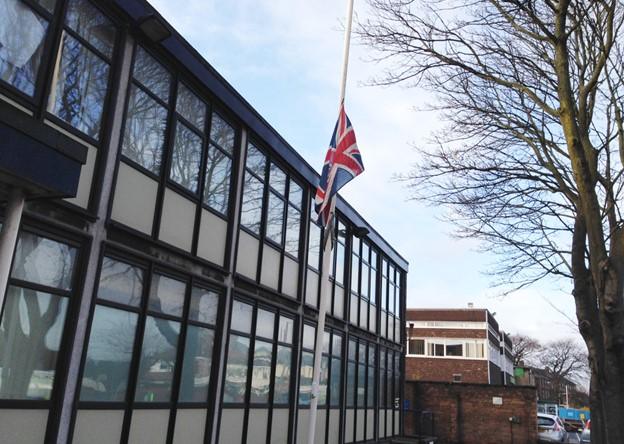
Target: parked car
[[586, 435], [550, 428]]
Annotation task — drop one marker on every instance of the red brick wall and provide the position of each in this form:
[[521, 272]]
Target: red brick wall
[[442, 370], [465, 413]]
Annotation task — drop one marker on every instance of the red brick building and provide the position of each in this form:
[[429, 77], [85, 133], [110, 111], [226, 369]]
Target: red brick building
[[457, 345]]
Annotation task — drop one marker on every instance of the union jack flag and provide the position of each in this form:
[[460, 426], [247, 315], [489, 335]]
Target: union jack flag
[[342, 163]]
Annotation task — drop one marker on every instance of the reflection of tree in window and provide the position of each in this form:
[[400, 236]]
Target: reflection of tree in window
[[32, 322], [186, 158]]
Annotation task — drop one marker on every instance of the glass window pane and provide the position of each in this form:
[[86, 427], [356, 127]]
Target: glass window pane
[[336, 345], [292, 231], [109, 354], [204, 305], [158, 357], [295, 195], [350, 384], [326, 341], [314, 247], [30, 337], [334, 384], [236, 370], [277, 179], [261, 373], [251, 211], [370, 389], [222, 134], [454, 348], [217, 180], [364, 282], [323, 381], [186, 158], [355, 269], [305, 381], [241, 317], [166, 295], [361, 388], [79, 87], [43, 261], [285, 332], [265, 324], [309, 333], [197, 364], [91, 25], [281, 393], [256, 161], [340, 262], [120, 282], [22, 37], [152, 74], [144, 135], [191, 107], [275, 218]]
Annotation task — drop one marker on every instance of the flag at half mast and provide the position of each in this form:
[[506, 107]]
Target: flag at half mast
[[342, 163]]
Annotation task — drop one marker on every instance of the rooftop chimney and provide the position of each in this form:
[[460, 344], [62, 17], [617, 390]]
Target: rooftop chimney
[[470, 305]]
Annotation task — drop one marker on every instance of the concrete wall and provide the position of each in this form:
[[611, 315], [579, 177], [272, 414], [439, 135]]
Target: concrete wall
[[473, 413]]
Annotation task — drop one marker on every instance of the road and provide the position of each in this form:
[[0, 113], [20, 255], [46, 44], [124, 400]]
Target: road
[[573, 438]]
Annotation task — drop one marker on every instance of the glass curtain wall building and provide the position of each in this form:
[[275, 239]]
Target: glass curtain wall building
[[165, 283]]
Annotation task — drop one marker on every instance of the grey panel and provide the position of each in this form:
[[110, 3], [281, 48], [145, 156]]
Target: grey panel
[[290, 277], [177, 220], [397, 416], [302, 426], [333, 436], [388, 422], [98, 426], [359, 425], [23, 426], [349, 417], [231, 430], [279, 428], [190, 426], [212, 237], [311, 293], [370, 423], [135, 199], [149, 427], [257, 426], [270, 267], [247, 255], [382, 422], [321, 420], [86, 179]]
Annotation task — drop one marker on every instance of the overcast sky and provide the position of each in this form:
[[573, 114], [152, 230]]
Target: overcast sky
[[285, 57]]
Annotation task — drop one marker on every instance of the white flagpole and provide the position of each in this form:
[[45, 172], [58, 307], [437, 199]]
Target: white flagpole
[[328, 246]]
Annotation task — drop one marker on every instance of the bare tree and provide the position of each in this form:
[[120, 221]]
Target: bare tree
[[531, 159], [564, 362], [525, 349]]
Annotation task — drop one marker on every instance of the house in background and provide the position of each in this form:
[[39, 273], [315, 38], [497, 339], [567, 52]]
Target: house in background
[[457, 345]]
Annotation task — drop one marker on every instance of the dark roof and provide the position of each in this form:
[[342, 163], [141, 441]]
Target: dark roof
[[179, 49], [446, 314]]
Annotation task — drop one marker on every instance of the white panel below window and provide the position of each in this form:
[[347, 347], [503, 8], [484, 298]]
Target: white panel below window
[[190, 426], [23, 426], [389, 422], [279, 428], [231, 430], [177, 220], [333, 436], [359, 425], [98, 426], [302, 426], [349, 417], [311, 293], [135, 199], [247, 255], [149, 426], [86, 179], [370, 423], [381, 423], [321, 419], [397, 416], [290, 277], [257, 426], [212, 237], [270, 267]]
